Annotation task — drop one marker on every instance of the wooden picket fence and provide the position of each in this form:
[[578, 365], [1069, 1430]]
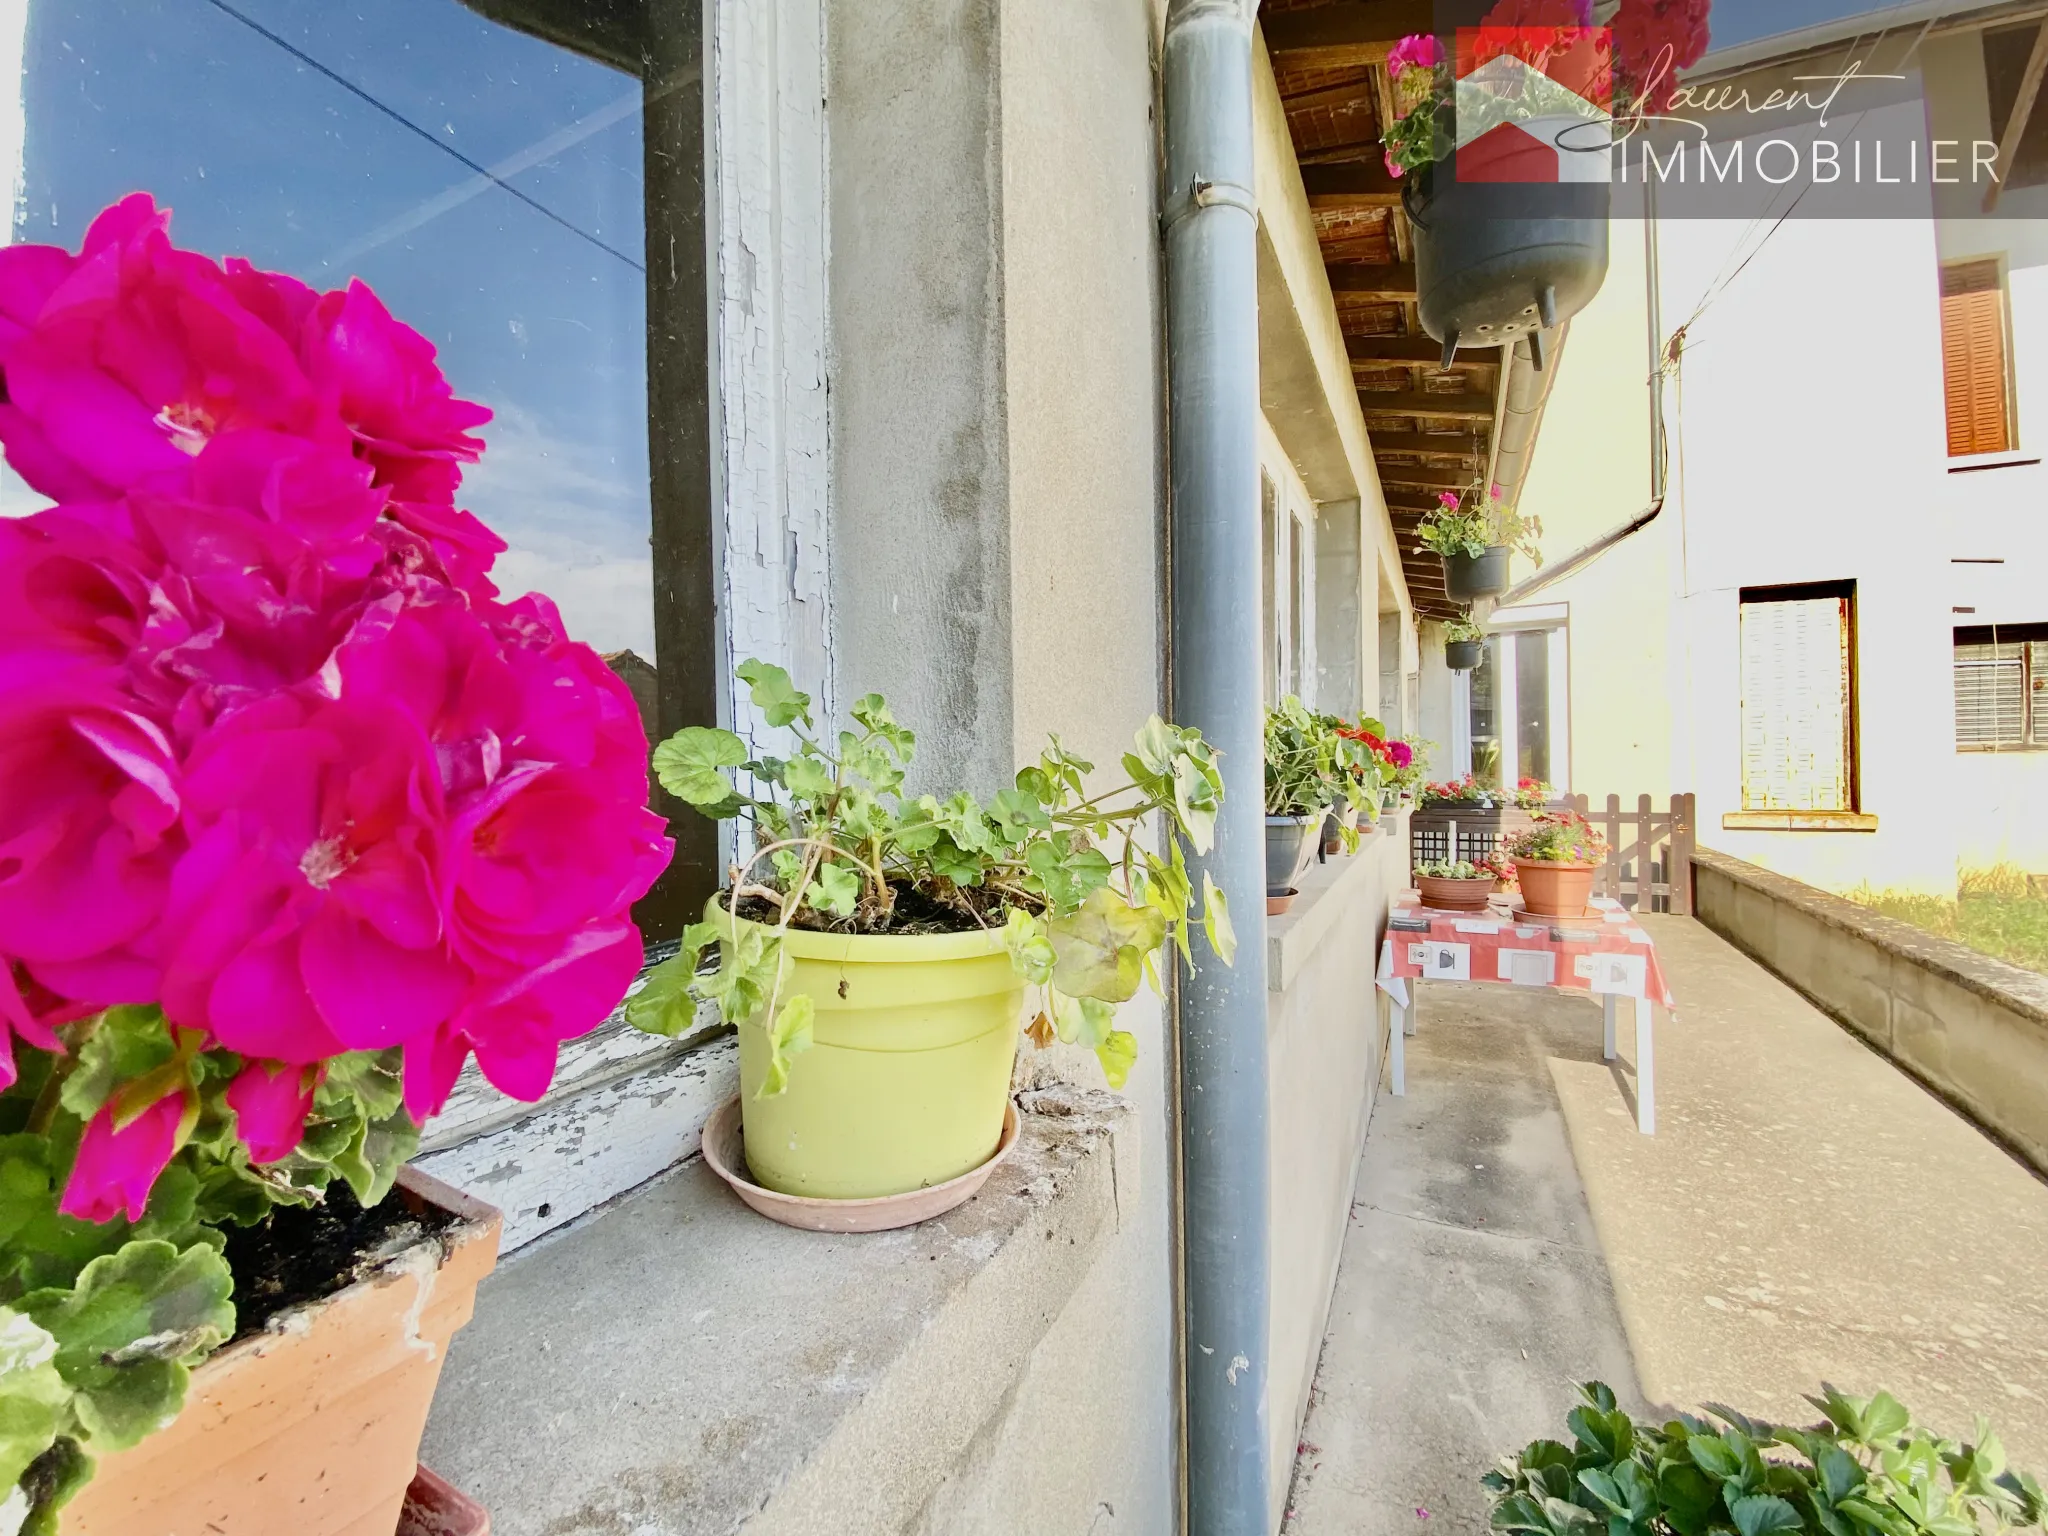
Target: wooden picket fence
[[1646, 849], [1642, 844]]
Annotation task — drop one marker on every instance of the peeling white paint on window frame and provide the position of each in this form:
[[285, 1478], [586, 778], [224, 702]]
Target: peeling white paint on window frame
[[769, 243]]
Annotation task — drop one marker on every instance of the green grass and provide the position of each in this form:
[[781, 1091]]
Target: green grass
[[1996, 912]]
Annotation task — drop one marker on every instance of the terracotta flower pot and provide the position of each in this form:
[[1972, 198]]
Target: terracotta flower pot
[[313, 1426], [1555, 890], [1455, 895]]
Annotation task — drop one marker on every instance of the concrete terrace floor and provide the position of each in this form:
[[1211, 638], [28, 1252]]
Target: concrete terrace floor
[[1805, 1212]]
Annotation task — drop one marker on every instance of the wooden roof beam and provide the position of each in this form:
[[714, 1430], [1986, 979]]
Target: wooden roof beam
[[1393, 283], [1438, 445], [1439, 479], [1351, 32], [1419, 402], [1351, 184], [1415, 349]]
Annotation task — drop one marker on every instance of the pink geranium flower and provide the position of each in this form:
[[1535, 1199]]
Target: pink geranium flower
[[135, 362], [1420, 50], [390, 391], [306, 920], [89, 803], [116, 1168], [271, 1101], [516, 1025], [272, 755]]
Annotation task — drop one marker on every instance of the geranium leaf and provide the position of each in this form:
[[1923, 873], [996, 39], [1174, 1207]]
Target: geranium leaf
[[34, 1399], [661, 1002], [773, 694], [1117, 1054], [834, 888], [1101, 948], [129, 1329], [690, 763], [789, 1036], [126, 1043], [1030, 951], [1216, 921]]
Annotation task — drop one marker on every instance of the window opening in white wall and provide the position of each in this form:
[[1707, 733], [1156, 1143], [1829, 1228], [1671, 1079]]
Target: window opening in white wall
[[2001, 675], [1798, 646]]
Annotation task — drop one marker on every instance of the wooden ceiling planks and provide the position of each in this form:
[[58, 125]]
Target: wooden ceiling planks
[[1431, 428]]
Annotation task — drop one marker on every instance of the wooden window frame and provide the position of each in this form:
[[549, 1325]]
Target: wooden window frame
[[1793, 819], [2000, 290]]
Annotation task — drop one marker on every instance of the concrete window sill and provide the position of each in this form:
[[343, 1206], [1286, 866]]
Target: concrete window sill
[[1329, 892], [1798, 821], [677, 1363]]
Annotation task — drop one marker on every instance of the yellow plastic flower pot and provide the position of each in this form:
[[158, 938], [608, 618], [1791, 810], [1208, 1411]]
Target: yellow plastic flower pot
[[908, 1071]]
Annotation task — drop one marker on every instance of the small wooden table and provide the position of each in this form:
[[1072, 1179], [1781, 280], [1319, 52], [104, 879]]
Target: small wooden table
[[1606, 953]]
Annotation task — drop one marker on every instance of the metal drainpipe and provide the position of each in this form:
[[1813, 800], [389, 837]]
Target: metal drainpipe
[[1211, 223]]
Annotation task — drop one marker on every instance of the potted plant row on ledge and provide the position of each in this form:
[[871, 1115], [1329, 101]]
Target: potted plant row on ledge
[[873, 948], [1864, 1469], [1320, 772], [296, 815], [1475, 533]]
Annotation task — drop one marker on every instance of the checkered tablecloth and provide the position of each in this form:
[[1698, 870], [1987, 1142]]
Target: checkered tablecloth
[[1607, 952]]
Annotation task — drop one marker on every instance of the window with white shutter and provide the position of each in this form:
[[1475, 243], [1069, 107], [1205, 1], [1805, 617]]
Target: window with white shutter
[[2001, 688], [1976, 371], [1799, 698]]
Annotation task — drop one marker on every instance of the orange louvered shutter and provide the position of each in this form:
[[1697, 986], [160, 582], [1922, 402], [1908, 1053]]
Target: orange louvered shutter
[[1973, 358]]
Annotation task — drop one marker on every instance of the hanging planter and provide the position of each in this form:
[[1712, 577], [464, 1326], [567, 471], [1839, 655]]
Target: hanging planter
[[1467, 578], [1489, 271], [1475, 534], [1464, 645]]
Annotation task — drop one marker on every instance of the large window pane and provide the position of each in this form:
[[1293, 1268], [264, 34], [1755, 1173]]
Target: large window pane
[[485, 183]]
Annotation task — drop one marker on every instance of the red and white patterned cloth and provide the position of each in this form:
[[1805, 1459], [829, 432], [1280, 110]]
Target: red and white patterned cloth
[[1607, 952]]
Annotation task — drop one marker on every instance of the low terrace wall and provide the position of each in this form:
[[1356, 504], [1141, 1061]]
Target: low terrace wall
[[1973, 1029]]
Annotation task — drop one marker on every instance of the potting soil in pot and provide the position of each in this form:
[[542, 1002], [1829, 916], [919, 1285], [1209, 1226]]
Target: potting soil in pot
[[914, 913], [302, 1253]]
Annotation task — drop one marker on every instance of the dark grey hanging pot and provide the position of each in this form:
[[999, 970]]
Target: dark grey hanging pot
[[1498, 263], [1468, 578], [1464, 655]]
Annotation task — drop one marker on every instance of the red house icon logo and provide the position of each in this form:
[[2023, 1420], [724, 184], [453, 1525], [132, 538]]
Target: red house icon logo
[[1534, 104]]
